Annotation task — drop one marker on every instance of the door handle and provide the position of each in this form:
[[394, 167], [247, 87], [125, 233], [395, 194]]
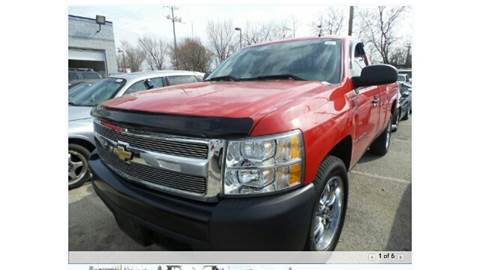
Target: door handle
[[375, 101]]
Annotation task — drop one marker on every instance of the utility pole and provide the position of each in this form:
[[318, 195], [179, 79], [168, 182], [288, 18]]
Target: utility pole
[[350, 21], [174, 19]]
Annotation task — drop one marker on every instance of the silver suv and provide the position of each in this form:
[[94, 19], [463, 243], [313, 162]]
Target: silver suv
[[80, 126]]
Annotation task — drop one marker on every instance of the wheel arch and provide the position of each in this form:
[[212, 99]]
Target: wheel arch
[[394, 106], [343, 150], [88, 145]]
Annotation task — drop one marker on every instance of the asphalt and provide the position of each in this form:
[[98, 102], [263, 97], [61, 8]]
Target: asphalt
[[379, 212]]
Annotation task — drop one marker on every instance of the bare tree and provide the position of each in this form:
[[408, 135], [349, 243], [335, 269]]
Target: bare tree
[[155, 50], [283, 29], [401, 56], [220, 39], [121, 61], [192, 55], [330, 22], [134, 56], [258, 33], [379, 27]]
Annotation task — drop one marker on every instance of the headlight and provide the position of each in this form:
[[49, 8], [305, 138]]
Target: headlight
[[264, 164]]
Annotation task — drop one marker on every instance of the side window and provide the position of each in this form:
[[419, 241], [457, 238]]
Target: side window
[[138, 86], [174, 80], [158, 82], [357, 64], [358, 60]]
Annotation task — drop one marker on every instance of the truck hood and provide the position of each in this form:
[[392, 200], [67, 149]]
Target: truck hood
[[252, 99], [78, 112]]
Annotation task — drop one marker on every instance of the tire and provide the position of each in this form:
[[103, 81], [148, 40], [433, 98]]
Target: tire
[[381, 144], [78, 157], [396, 122], [332, 170]]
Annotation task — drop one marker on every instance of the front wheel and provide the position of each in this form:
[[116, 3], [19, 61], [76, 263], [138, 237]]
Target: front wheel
[[331, 186], [78, 171]]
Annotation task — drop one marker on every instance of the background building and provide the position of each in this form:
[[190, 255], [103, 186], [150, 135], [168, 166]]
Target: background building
[[90, 48]]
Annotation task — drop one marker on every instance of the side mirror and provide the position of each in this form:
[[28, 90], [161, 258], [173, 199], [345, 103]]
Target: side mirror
[[376, 75], [205, 75]]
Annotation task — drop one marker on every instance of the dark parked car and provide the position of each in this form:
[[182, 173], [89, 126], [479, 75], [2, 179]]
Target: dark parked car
[[407, 73], [404, 107], [405, 101]]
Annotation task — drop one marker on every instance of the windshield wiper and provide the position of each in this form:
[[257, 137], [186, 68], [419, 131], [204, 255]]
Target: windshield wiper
[[223, 78], [275, 77], [72, 103]]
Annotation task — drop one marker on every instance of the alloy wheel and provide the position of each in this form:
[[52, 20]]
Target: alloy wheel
[[328, 213], [77, 167]]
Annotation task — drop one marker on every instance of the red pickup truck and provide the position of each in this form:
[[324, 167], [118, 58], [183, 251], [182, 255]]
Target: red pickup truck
[[253, 158]]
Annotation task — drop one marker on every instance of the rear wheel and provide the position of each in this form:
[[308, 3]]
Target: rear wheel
[[331, 186], [78, 171], [396, 122], [381, 145], [405, 117]]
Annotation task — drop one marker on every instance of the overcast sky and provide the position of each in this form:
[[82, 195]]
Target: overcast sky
[[132, 21]]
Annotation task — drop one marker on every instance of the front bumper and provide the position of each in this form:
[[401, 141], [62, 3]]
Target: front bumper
[[277, 222]]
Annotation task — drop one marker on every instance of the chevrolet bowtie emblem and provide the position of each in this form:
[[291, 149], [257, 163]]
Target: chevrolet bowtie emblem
[[122, 153]]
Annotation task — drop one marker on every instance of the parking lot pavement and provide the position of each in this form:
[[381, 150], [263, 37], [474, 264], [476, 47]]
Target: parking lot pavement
[[378, 214]]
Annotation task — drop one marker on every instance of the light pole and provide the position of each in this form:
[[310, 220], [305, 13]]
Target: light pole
[[240, 30]]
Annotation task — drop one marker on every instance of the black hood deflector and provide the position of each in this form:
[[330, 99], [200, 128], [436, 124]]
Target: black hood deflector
[[183, 125]]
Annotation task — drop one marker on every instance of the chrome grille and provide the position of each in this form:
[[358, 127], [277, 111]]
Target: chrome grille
[[155, 176], [189, 167], [178, 148]]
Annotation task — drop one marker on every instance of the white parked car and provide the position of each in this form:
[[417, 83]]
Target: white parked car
[[80, 126]]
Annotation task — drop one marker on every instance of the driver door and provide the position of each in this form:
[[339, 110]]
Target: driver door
[[366, 107]]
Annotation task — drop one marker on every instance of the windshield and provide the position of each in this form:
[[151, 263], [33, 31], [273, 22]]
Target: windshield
[[315, 60], [402, 77], [96, 93]]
